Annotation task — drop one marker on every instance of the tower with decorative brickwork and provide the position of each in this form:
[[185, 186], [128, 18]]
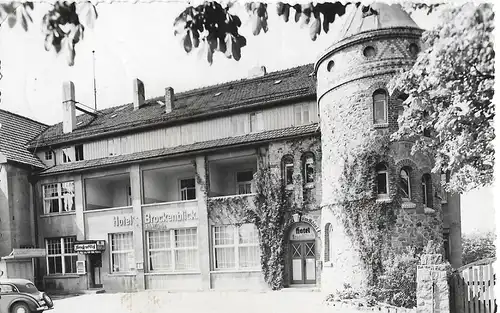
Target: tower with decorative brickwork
[[355, 106]]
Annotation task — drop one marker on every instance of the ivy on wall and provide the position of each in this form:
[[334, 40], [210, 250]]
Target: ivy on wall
[[366, 221]]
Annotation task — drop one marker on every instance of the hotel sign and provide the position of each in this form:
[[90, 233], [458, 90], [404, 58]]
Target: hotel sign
[[95, 246], [162, 220], [302, 231]]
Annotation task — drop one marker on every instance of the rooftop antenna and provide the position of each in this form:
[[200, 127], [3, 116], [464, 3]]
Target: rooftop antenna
[[95, 90]]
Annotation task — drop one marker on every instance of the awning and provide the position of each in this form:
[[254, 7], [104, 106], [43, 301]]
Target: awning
[[90, 246], [29, 253]]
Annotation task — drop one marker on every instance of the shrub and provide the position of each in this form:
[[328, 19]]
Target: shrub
[[478, 246], [398, 285]]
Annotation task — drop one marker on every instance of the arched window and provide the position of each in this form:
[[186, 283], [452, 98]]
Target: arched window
[[288, 170], [382, 180], [308, 171], [404, 184], [380, 107], [328, 242], [427, 190]]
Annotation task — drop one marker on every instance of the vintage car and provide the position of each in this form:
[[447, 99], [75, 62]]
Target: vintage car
[[21, 296]]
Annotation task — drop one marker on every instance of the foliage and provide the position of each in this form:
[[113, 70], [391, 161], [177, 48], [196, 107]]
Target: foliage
[[367, 222], [232, 210], [211, 27], [270, 220], [450, 90], [62, 24], [476, 247], [398, 285]]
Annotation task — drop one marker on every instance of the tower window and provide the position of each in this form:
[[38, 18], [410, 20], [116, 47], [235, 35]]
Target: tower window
[[329, 66], [404, 184], [427, 190], [379, 107], [413, 49], [288, 170], [369, 52], [382, 181]]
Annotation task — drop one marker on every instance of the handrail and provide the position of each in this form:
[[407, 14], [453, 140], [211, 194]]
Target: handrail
[[476, 263]]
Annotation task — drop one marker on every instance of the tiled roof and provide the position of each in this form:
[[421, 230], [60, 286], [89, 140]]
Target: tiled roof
[[15, 133], [285, 85], [195, 147]]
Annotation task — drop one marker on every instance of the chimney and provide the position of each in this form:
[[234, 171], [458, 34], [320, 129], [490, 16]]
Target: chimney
[[257, 72], [169, 99], [139, 94], [69, 113]]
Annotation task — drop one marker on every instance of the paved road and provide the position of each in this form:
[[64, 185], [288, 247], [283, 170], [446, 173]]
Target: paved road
[[206, 302]]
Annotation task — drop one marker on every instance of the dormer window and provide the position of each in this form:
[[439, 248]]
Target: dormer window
[[66, 155], [48, 155], [79, 153]]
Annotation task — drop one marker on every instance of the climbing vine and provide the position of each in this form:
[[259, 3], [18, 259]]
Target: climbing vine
[[366, 220]]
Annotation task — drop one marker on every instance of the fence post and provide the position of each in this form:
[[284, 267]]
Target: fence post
[[433, 292]]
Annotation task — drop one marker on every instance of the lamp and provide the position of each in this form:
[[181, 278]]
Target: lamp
[[296, 217]]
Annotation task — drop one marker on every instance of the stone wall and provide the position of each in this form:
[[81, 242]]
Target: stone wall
[[433, 292]]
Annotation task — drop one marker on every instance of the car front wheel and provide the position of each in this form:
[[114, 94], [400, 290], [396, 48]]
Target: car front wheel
[[20, 308]]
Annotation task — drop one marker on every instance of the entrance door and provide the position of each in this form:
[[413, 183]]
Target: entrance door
[[303, 262], [95, 261]]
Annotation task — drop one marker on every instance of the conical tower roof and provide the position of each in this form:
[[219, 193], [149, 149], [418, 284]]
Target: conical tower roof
[[387, 16]]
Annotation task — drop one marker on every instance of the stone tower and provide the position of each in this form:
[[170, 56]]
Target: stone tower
[[355, 105]]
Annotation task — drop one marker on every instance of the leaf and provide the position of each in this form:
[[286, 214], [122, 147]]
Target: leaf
[[256, 24], [89, 13], [24, 23], [188, 45], [315, 29], [286, 13], [12, 20], [70, 51]]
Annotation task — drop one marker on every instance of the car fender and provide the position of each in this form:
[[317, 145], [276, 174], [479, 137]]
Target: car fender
[[32, 303]]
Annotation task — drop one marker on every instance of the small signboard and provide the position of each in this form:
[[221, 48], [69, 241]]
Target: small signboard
[[302, 231], [80, 267], [91, 246]]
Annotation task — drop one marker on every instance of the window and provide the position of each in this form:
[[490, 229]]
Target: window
[[4, 288], [48, 155], [369, 52], [122, 252], [61, 257], [427, 190], [236, 247], [308, 168], [58, 197], [404, 184], [444, 194], [256, 122], [66, 152], [173, 250], [188, 189], [382, 180], [301, 114], [79, 152], [328, 242], [380, 107], [446, 243], [114, 146], [288, 170], [244, 182]]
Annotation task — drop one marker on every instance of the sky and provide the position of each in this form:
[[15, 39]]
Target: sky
[[137, 41]]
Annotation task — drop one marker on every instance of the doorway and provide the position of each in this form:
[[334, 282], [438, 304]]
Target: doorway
[[302, 254], [303, 262], [95, 262]]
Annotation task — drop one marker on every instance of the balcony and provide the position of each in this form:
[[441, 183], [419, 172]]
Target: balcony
[[232, 176], [107, 192], [169, 184]]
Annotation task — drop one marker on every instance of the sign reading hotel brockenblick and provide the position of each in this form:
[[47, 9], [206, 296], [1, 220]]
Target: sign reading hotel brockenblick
[[158, 220]]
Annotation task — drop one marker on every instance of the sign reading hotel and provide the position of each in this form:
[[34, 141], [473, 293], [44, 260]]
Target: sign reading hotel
[[158, 220], [302, 232]]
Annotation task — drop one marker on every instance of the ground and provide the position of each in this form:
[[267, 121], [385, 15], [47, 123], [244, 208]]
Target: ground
[[207, 302]]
